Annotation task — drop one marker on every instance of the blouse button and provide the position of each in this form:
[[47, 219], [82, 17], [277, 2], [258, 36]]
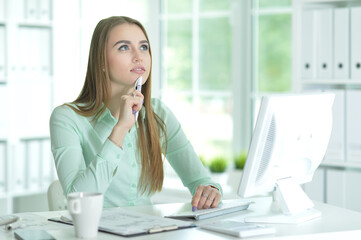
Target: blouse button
[[133, 185], [129, 145]]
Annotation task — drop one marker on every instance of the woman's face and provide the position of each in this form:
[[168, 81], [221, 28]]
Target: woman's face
[[127, 55]]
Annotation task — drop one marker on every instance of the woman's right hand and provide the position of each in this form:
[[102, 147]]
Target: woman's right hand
[[130, 104]]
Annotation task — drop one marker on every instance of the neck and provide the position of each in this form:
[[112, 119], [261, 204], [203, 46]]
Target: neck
[[117, 93]]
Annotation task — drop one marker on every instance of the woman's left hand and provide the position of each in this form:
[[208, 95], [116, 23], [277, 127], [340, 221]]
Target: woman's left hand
[[205, 197]]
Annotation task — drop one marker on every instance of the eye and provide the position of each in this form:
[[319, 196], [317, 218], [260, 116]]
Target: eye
[[144, 47], [123, 48]]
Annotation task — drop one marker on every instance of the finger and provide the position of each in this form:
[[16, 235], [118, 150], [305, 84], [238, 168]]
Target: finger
[[197, 197], [202, 201], [204, 196], [137, 101], [136, 93], [210, 199], [216, 200]]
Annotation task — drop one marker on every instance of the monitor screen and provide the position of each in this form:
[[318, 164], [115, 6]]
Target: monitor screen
[[289, 141]]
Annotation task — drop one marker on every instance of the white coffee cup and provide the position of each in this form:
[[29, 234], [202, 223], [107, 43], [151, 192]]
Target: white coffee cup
[[85, 209]]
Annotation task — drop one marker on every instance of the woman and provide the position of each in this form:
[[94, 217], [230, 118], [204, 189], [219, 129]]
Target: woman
[[97, 143]]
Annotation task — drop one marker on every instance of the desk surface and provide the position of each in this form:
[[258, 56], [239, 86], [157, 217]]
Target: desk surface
[[335, 223]]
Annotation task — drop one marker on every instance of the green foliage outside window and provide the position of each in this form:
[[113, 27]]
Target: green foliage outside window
[[274, 3], [274, 53], [178, 54], [215, 54]]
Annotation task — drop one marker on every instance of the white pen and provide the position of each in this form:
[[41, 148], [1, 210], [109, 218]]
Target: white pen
[[14, 225], [138, 86]]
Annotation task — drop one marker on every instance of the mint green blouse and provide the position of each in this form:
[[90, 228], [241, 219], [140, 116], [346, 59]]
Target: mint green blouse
[[86, 160]]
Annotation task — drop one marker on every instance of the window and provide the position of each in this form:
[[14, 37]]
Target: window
[[196, 71], [272, 31], [272, 49]]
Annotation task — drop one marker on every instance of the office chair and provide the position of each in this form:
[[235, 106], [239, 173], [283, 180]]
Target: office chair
[[56, 198]]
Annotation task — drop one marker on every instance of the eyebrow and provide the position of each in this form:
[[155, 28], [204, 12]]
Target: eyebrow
[[128, 42]]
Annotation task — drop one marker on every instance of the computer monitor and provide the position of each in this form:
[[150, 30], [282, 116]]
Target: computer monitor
[[289, 141]]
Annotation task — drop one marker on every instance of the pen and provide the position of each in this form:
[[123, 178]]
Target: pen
[[138, 86], [14, 225]]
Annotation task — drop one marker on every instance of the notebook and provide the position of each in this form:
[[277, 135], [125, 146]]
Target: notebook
[[223, 208], [128, 223]]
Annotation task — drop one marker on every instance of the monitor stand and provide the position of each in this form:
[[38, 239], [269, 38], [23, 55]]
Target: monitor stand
[[290, 205]]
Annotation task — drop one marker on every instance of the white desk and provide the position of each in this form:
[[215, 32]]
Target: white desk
[[335, 223]]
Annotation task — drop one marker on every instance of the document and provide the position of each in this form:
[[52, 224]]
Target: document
[[129, 223]]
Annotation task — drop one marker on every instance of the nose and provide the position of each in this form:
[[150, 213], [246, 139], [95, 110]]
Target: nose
[[137, 56]]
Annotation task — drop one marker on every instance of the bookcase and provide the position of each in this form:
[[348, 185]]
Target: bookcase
[[327, 57], [26, 100]]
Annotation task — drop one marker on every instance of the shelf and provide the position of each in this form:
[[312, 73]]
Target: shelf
[[28, 193], [41, 24], [331, 81], [4, 195], [334, 3], [353, 165]]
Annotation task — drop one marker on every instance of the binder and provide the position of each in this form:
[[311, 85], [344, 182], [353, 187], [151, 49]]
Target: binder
[[18, 166], [44, 51], [324, 43], [33, 164], [336, 146], [335, 187], [34, 59], [15, 9], [353, 126], [355, 43], [341, 45], [315, 189], [308, 45], [44, 10], [3, 157], [352, 197], [2, 9], [4, 109], [24, 51], [31, 10], [2, 53]]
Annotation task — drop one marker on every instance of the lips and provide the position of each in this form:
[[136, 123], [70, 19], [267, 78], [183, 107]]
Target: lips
[[138, 70]]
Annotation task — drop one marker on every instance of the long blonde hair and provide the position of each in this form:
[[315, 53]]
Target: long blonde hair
[[96, 91]]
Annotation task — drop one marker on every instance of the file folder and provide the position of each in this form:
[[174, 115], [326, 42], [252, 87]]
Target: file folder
[[341, 46], [336, 145], [308, 45], [2, 53], [324, 43], [353, 126], [2, 9], [3, 172], [335, 187], [355, 43]]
